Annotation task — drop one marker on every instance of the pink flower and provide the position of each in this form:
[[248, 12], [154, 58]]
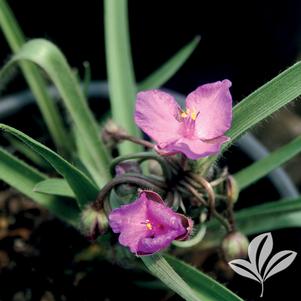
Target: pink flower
[[198, 131], [147, 225]]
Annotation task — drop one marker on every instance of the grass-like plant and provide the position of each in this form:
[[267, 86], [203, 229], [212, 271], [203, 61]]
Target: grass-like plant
[[191, 192]]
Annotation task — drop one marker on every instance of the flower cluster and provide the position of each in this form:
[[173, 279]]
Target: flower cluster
[[148, 225]]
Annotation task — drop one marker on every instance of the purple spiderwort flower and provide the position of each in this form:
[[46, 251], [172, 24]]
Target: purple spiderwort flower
[[197, 131], [147, 225]]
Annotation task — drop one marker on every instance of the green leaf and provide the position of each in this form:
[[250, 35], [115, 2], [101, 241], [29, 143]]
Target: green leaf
[[47, 56], [160, 268], [48, 108], [82, 187], [167, 70], [205, 287], [261, 168], [265, 101], [270, 216], [27, 152], [285, 213], [120, 71], [87, 161], [24, 178], [53, 186]]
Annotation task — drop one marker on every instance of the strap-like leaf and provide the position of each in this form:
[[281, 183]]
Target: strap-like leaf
[[82, 187], [265, 101], [160, 268], [47, 56], [261, 168], [53, 186], [169, 68], [120, 69], [270, 216], [205, 287], [24, 178], [50, 112]]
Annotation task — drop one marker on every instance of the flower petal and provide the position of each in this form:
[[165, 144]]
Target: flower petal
[[167, 227], [128, 221], [213, 103], [165, 216], [156, 114], [151, 245], [152, 196], [196, 148]]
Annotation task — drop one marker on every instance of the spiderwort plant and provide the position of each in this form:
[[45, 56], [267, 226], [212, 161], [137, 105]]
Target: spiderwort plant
[[150, 210]]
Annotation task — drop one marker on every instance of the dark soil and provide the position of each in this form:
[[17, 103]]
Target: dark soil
[[43, 259]]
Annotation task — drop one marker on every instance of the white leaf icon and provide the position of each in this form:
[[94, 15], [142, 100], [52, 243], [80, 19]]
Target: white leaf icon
[[259, 251], [262, 244], [279, 262], [245, 268]]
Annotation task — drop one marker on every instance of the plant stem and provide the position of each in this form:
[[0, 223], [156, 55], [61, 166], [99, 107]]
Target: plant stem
[[124, 179], [122, 136], [16, 39], [211, 200]]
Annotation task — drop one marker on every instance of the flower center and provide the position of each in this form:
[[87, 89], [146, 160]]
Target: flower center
[[189, 113], [148, 224]]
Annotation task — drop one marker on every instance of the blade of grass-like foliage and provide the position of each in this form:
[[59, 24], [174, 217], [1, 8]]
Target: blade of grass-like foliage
[[270, 216], [50, 112], [27, 152], [53, 186], [120, 71], [285, 213], [204, 286], [87, 161], [265, 101], [160, 268], [168, 69], [47, 56], [261, 168], [24, 178], [82, 187]]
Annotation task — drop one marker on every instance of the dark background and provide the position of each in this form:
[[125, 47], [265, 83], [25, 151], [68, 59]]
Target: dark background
[[246, 42]]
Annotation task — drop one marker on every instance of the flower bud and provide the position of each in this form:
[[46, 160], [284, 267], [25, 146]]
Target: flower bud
[[235, 245], [111, 132], [155, 168], [94, 223], [232, 189]]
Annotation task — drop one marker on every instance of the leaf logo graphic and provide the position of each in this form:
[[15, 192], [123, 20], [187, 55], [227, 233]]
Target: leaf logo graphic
[[260, 267]]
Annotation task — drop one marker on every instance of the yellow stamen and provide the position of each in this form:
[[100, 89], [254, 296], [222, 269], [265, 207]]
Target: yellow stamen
[[193, 115], [148, 225], [188, 113]]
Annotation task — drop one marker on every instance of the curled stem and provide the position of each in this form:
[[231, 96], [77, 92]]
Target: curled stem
[[194, 192], [124, 179], [211, 200]]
